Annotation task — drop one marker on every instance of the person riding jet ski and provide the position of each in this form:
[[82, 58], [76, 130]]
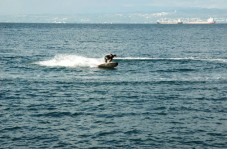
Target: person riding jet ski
[[109, 58]]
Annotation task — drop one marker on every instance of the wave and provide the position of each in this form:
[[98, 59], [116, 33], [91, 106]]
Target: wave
[[71, 61]]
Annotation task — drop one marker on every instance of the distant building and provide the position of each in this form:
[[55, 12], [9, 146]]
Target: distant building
[[209, 21], [179, 21]]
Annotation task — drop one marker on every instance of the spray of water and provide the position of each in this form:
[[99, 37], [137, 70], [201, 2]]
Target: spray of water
[[71, 61]]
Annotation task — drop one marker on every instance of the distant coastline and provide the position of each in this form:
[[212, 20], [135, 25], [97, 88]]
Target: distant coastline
[[179, 21], [150, 17]]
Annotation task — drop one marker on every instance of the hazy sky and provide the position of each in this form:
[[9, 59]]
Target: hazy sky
[[13, 7]]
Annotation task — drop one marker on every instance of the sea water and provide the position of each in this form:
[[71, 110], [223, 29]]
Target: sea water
[[168, 91]]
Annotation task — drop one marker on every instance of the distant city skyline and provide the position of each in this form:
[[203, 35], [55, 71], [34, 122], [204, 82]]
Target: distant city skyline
[[18, 7]]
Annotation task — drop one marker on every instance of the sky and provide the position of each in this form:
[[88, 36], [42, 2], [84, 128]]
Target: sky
[[15, 7]]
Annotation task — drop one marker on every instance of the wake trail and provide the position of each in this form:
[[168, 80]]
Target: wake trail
[[220, 60]]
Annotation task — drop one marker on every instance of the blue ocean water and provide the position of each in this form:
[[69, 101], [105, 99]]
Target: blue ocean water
[[168, 91]]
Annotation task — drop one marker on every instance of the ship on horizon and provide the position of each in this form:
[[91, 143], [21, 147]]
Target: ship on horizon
[[179, 21]]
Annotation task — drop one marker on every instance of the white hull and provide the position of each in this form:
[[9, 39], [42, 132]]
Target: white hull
[[168, 23], [199, 23]]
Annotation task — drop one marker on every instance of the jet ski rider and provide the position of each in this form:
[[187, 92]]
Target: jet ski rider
[[109, 58]]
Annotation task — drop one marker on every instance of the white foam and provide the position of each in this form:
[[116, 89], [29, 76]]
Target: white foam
[[71, 61], [220, 60]]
